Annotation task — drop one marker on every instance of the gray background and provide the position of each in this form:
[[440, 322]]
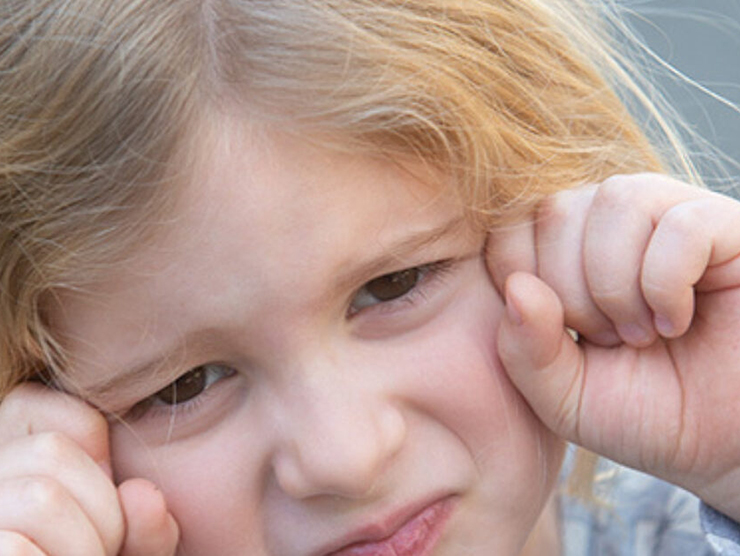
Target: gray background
[[700, 38]]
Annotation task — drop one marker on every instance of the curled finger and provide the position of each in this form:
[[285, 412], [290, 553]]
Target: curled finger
[[56, 461], [690, 239], [46, 514], [15, 544], [151, 530]]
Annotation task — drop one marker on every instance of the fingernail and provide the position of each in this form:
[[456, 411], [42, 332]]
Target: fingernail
[[633, 334], [606, 338]]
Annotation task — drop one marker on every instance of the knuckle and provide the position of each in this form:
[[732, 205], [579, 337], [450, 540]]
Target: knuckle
[[29, 407], [556, 209], [54, 448], [618, 191], [45, 495], [682, 218], [14, 406], [92, 425]]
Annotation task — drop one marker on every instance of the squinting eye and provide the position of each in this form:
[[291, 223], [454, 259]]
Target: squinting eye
[[394, 285], [192, 384], [388, 287]]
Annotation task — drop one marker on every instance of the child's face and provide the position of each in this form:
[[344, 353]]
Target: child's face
[[329, 405]]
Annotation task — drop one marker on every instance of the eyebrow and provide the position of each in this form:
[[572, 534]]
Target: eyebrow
[[375, 266], [396, 254], [102, 392]]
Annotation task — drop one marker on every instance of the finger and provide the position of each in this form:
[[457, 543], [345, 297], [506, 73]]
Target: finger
[[539, 356], [604, 399], [561, 230], [151, 530], [618, 230], [15, 544], [511, 249], [57, 458], [33, 408], [690, 239], [45, 513]]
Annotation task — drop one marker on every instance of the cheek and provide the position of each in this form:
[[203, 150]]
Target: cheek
[[199, 477], [448, 374], [460, 381], [516, 458], [452, 362]]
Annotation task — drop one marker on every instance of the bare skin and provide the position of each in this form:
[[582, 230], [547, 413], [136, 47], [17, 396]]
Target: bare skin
[[57, 496], [645, 269]]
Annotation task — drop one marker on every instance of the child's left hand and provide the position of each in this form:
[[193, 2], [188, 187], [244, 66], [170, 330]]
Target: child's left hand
[[647, 271]]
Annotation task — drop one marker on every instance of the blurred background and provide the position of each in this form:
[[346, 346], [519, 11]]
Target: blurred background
[[701, 39]]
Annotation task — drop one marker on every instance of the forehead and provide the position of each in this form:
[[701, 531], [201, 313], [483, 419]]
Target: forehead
[[263, 224], [276, 201]]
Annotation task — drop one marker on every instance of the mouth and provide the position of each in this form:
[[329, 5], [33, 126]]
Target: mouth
[[410, 533]]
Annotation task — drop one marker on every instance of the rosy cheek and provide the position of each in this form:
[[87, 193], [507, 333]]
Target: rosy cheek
[[486, 403], [199, 479]]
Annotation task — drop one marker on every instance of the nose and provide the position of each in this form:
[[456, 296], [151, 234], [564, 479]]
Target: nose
[[338, 439]]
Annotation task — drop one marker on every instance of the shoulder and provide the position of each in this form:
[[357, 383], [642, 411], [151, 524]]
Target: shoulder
[[633, 514]]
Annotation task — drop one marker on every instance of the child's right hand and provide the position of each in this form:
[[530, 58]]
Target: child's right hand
[[57, 496]]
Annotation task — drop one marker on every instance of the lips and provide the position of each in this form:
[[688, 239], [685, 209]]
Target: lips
[[414, 535]]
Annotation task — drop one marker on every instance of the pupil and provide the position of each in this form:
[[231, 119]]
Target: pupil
[[394, 285], [184, 388]]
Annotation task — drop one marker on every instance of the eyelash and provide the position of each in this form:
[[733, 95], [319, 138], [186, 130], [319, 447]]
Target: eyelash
[[429, 274], [150, 407]]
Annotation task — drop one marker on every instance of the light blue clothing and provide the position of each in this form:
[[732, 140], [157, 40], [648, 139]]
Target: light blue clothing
[[643, 516], [722, 532]]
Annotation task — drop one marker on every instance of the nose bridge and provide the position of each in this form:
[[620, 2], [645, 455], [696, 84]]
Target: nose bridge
[[338, 434]]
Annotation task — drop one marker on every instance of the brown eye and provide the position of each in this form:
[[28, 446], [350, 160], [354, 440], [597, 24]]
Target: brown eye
[[409, 285], [192, 384], [185, 388], [388, 287], [394, 285]]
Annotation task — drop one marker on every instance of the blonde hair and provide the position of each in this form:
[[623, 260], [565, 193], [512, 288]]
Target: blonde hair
[[515, 99]]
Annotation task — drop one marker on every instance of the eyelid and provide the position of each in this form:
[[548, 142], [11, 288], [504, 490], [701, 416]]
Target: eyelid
[[150, 407], [430, 273]]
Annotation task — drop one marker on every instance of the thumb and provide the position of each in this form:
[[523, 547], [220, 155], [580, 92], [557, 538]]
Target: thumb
[[540, 356], [150, 528]]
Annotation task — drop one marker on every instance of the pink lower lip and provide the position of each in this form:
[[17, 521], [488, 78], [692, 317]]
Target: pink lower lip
[[416, 537]]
